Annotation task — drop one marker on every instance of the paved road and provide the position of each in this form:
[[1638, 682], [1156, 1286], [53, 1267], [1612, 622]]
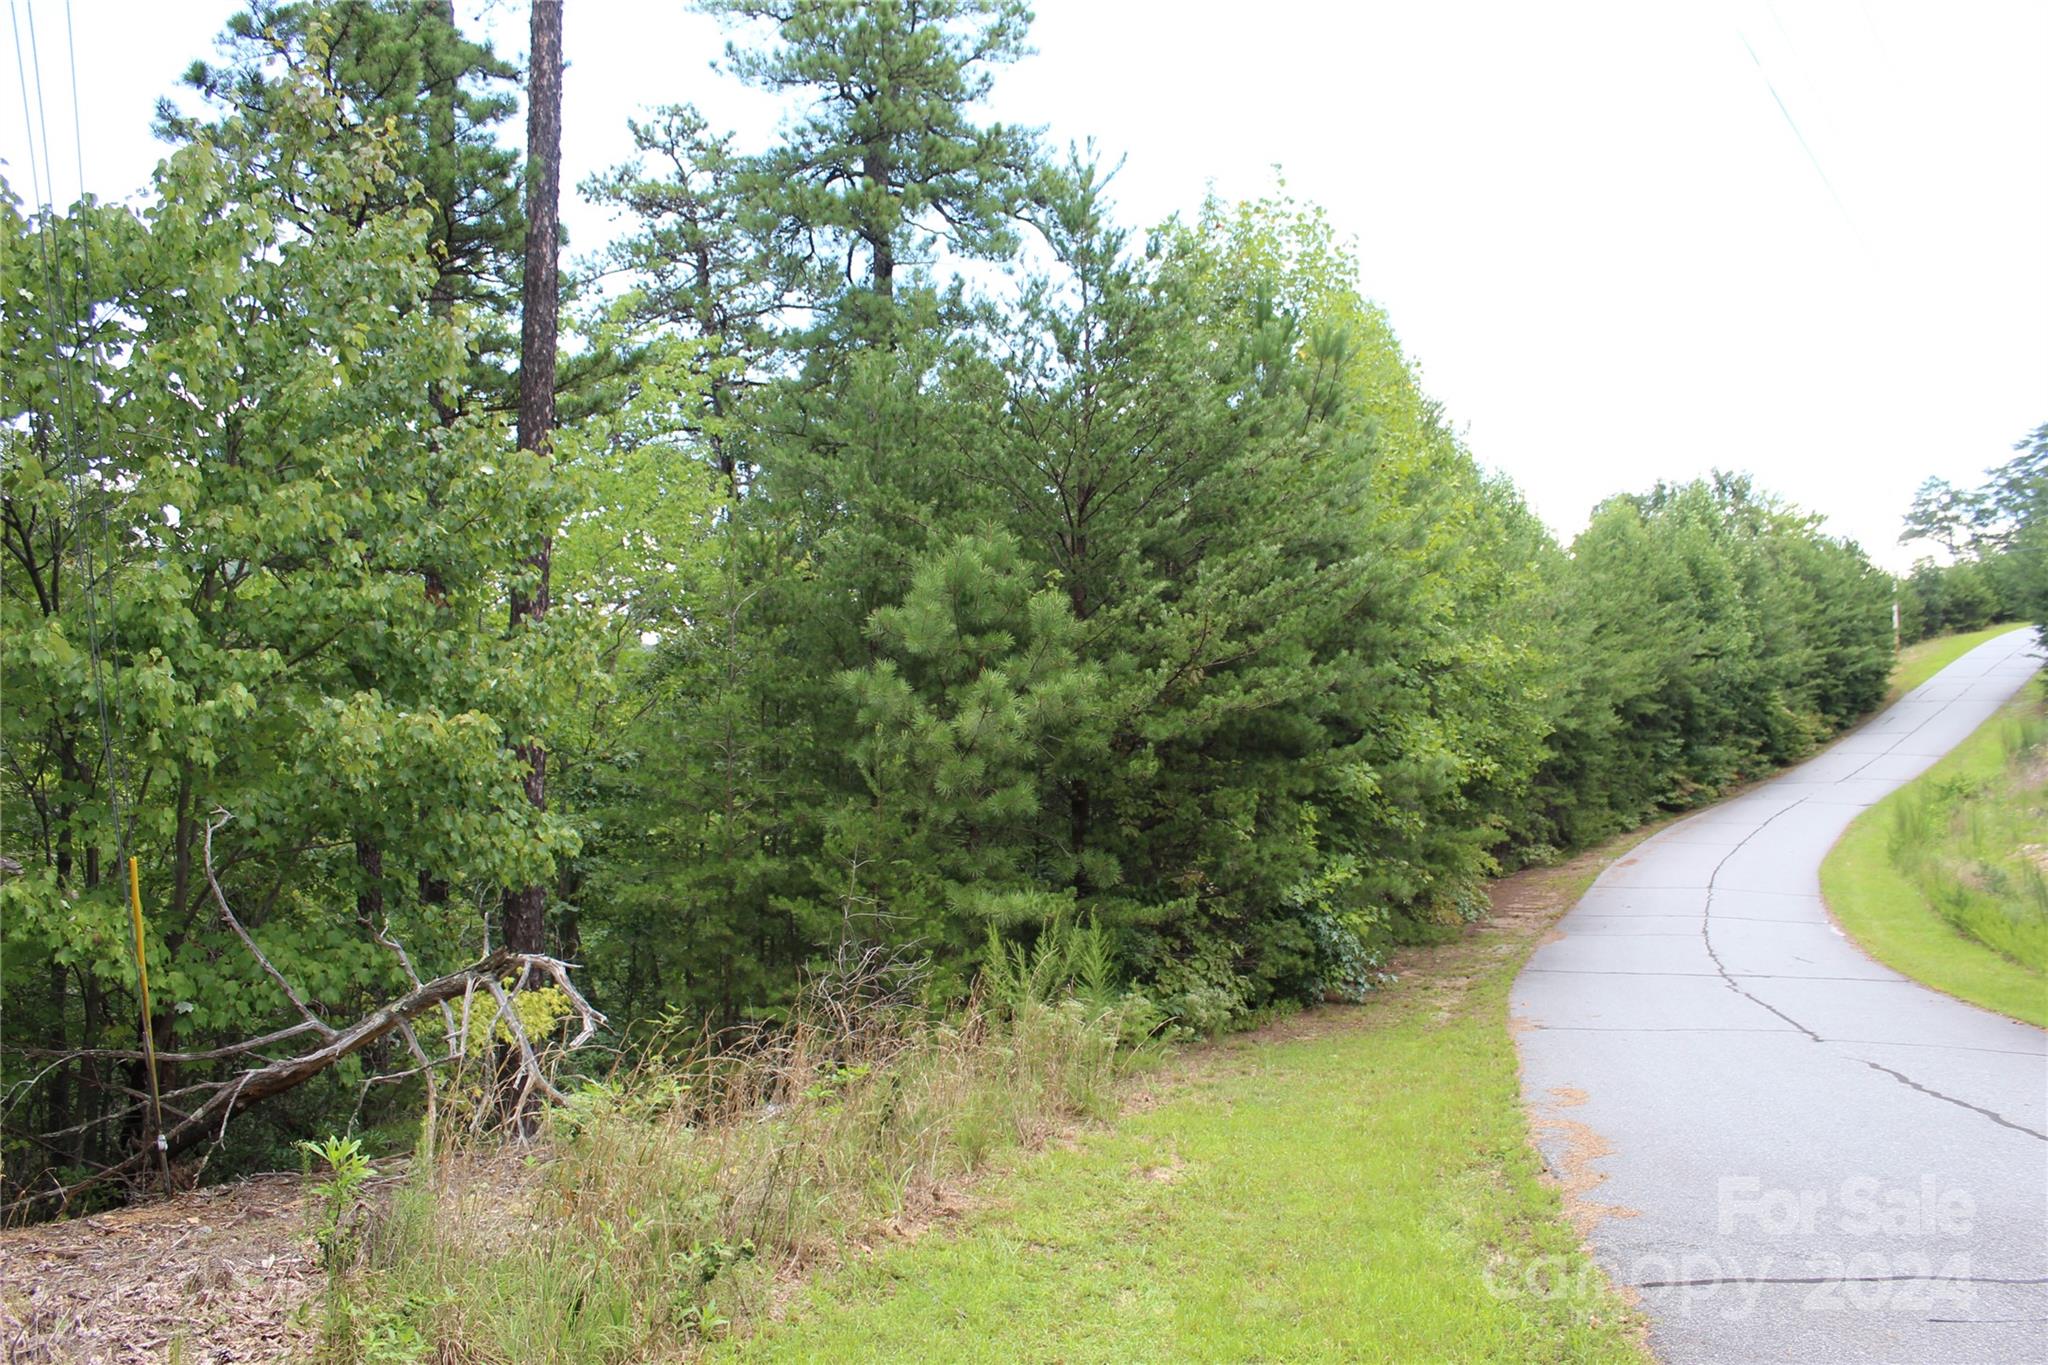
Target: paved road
[[1793, 1153]]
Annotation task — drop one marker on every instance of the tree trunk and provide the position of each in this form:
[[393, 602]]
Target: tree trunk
[[525, 906], [370, 895]]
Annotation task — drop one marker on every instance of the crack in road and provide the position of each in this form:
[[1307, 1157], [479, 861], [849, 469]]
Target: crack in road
[[1707, 920], [1903, 1079], [1730, 979], [1941, 1047]]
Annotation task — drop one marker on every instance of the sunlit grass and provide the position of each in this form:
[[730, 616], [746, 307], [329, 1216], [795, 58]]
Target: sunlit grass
[[1357, 1186], [1355, 1183]]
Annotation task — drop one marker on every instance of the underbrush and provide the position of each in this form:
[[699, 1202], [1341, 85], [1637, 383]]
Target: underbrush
[[1977, 846], [661, 1207]]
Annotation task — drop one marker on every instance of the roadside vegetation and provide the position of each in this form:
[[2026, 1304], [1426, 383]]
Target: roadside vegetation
[[1352, 1182], [1946, 879], [893, 600], [666, 1204]]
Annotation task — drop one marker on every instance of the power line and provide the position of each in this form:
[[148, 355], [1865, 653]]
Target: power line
[[1804, 145], [70, 314], [28, 119], [110, 751]]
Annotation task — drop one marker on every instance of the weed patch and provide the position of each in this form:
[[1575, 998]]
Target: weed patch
[[1942, 880]]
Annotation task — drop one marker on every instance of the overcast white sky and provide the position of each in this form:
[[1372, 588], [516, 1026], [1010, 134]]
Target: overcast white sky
[[1593, 225]]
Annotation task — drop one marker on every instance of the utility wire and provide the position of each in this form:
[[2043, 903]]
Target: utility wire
[[68, 311], [89, 347], [66, 314], [1804, 146], [28, 118]]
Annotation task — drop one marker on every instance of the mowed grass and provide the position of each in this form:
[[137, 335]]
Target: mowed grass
[[1353, 1184], [1943, 879], [1923, 659]]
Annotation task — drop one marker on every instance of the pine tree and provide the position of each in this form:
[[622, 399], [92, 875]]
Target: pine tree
[[540, 299], [703, 267], [885, 161], [404, 66]]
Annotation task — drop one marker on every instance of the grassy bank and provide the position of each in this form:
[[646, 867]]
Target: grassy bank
[[1924, 658], [1944, 879], [1353, 1184]]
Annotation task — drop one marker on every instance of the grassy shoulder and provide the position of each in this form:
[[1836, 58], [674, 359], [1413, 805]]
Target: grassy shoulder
[[1939, 880], [1923, 659], [1355, 1183]]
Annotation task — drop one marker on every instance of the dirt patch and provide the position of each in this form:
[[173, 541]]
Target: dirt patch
[[1574, 1173], [211, 1275], [1540, 899], [1167, 1172], [947, 1204]]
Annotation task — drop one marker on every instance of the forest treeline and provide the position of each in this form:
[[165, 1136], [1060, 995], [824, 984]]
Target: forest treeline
[[1995, 539], [933, 557]]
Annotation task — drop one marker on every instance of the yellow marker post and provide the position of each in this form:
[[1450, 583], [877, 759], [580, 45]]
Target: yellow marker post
[[156, 1103]]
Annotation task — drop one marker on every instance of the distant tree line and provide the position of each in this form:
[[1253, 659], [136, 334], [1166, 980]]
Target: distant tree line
[[931, 555], [1995, 537]]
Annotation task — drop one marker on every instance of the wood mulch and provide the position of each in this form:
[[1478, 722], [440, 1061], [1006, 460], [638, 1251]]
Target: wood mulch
[[207, 1277]]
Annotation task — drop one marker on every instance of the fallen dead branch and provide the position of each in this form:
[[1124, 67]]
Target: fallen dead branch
[[522, 1072]]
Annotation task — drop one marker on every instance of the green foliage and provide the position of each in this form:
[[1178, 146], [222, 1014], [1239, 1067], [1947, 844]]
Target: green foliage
[[259, 570], [884, 159], [404, 70], [903, 604], [1942, 599], [345, 1171], [1165, 601], [1716, 634], [1066, 960], [540, 1013], [1997, 539]]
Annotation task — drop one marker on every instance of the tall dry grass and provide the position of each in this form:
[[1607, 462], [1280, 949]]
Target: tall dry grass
[[665, 1204]]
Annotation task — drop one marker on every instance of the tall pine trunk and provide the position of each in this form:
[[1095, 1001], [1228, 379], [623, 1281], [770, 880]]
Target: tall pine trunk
[[525, 906]]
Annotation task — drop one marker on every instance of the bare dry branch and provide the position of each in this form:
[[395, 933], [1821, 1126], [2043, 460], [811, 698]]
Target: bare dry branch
[[259, 1078], [213, 1054], [232, 1096], [220, 899], [531, 1074]]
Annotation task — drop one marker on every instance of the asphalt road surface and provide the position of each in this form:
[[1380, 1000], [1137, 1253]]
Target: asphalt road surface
[[1790, 1152]]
